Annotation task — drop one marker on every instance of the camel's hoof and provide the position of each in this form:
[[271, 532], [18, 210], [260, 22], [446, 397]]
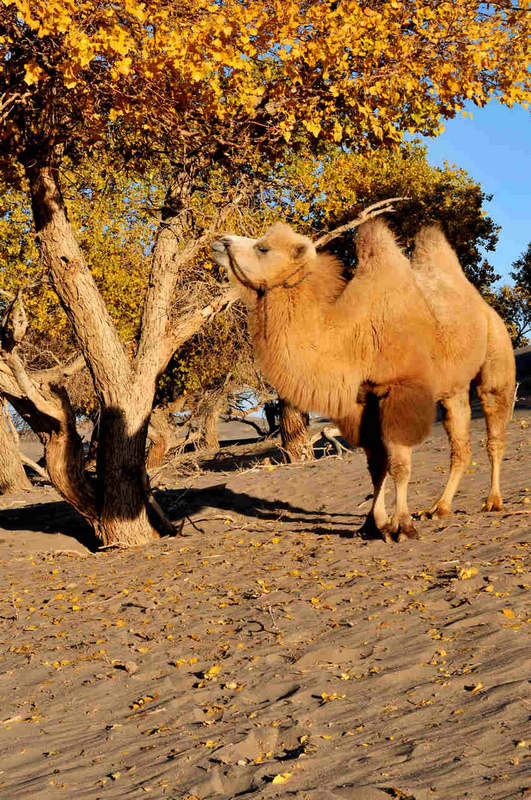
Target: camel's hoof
[[399, 531], [493, 503], [370, 530], [435, 512], [438, 511], [407, 533]]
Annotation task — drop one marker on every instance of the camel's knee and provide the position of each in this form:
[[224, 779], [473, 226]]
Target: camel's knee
[[497, 407], [399, 467], [461, 453]]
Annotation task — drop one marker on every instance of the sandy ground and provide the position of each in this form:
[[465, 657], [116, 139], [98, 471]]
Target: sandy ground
[[268, 651]]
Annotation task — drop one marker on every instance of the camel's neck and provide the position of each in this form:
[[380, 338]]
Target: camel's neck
[[308, 350]]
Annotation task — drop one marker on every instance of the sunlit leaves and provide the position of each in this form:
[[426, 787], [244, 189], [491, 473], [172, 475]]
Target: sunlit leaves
[[346, 72]]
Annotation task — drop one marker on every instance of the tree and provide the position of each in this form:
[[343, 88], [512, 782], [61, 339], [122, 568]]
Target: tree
[[12, 475], [513, 303], [323, 193], [522, 272], [203, 84]]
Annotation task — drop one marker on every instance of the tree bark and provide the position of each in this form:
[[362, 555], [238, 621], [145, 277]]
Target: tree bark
[[294, 432], [119, 514], [209, 412], [158, 449], [210, 428], [122, 481], [12, 475], [118, 504]]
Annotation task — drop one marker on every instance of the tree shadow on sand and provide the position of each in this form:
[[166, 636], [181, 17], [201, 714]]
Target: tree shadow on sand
[[181, 505], [49, 519]]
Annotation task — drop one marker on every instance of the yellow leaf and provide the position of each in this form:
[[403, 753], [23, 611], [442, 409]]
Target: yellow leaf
[[33, 73], [212, 672], [282, 777], [467, 572], [474, 689], [327, 698], [508, 612]]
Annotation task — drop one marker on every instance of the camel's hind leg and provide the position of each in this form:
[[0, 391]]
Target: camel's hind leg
[[457, 425], [497, 407]]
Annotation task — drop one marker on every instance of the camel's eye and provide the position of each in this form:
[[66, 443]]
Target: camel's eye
[[262, 248]]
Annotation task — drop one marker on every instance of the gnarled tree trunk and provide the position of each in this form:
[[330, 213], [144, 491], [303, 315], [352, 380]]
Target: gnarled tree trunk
[[118, 503], [294, 432], [12, 475], [119, 511]]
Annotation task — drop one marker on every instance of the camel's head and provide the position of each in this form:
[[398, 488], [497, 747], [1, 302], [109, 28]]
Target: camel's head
[[280, 257]]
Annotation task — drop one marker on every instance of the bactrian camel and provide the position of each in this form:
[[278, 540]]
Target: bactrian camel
[[376, 353]]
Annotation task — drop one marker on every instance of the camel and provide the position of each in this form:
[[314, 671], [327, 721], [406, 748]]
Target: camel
[[376, 353]]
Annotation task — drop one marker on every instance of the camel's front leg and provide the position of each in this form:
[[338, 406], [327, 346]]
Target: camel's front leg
[[399, 467], [377, 518]]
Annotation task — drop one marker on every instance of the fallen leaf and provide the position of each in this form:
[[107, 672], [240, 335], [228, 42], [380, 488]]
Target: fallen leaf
[[212, 672], [466, 572], [475, 688], [282, 777]]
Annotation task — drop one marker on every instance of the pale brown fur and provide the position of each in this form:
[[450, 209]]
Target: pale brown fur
[[366, 353], [473, 345]]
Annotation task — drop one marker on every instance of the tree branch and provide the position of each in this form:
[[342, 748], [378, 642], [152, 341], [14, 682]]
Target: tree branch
[[155, 338], [75, 286], [193, 323], [382, 207], [56, 374]]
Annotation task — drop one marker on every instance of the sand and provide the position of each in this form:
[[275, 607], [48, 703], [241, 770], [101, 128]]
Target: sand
[[269, 651]]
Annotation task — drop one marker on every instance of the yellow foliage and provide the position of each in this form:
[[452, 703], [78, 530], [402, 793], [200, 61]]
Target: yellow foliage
[[343, 72]]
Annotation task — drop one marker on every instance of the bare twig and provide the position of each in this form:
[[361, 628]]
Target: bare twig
[[382, 207]]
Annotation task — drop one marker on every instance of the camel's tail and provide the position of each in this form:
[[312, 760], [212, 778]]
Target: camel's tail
[[376, 246], [434, 252]]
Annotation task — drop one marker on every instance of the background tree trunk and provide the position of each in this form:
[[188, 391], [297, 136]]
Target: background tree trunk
[[93, 446], [271, 413], [211, 409], [294, 431], [12, 475], [160, 434]]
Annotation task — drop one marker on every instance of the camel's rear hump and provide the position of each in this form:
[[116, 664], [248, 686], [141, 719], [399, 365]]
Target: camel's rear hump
[[434, 252]]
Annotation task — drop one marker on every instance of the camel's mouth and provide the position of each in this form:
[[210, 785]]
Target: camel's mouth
[[222, 255]]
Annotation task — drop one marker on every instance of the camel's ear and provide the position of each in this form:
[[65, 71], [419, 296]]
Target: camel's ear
[[302, 251], [298, 251]]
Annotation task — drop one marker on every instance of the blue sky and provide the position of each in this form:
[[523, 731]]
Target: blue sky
[[495, 149]]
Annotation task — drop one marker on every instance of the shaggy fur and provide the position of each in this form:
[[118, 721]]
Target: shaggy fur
[[374, 354], [473, 345]]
